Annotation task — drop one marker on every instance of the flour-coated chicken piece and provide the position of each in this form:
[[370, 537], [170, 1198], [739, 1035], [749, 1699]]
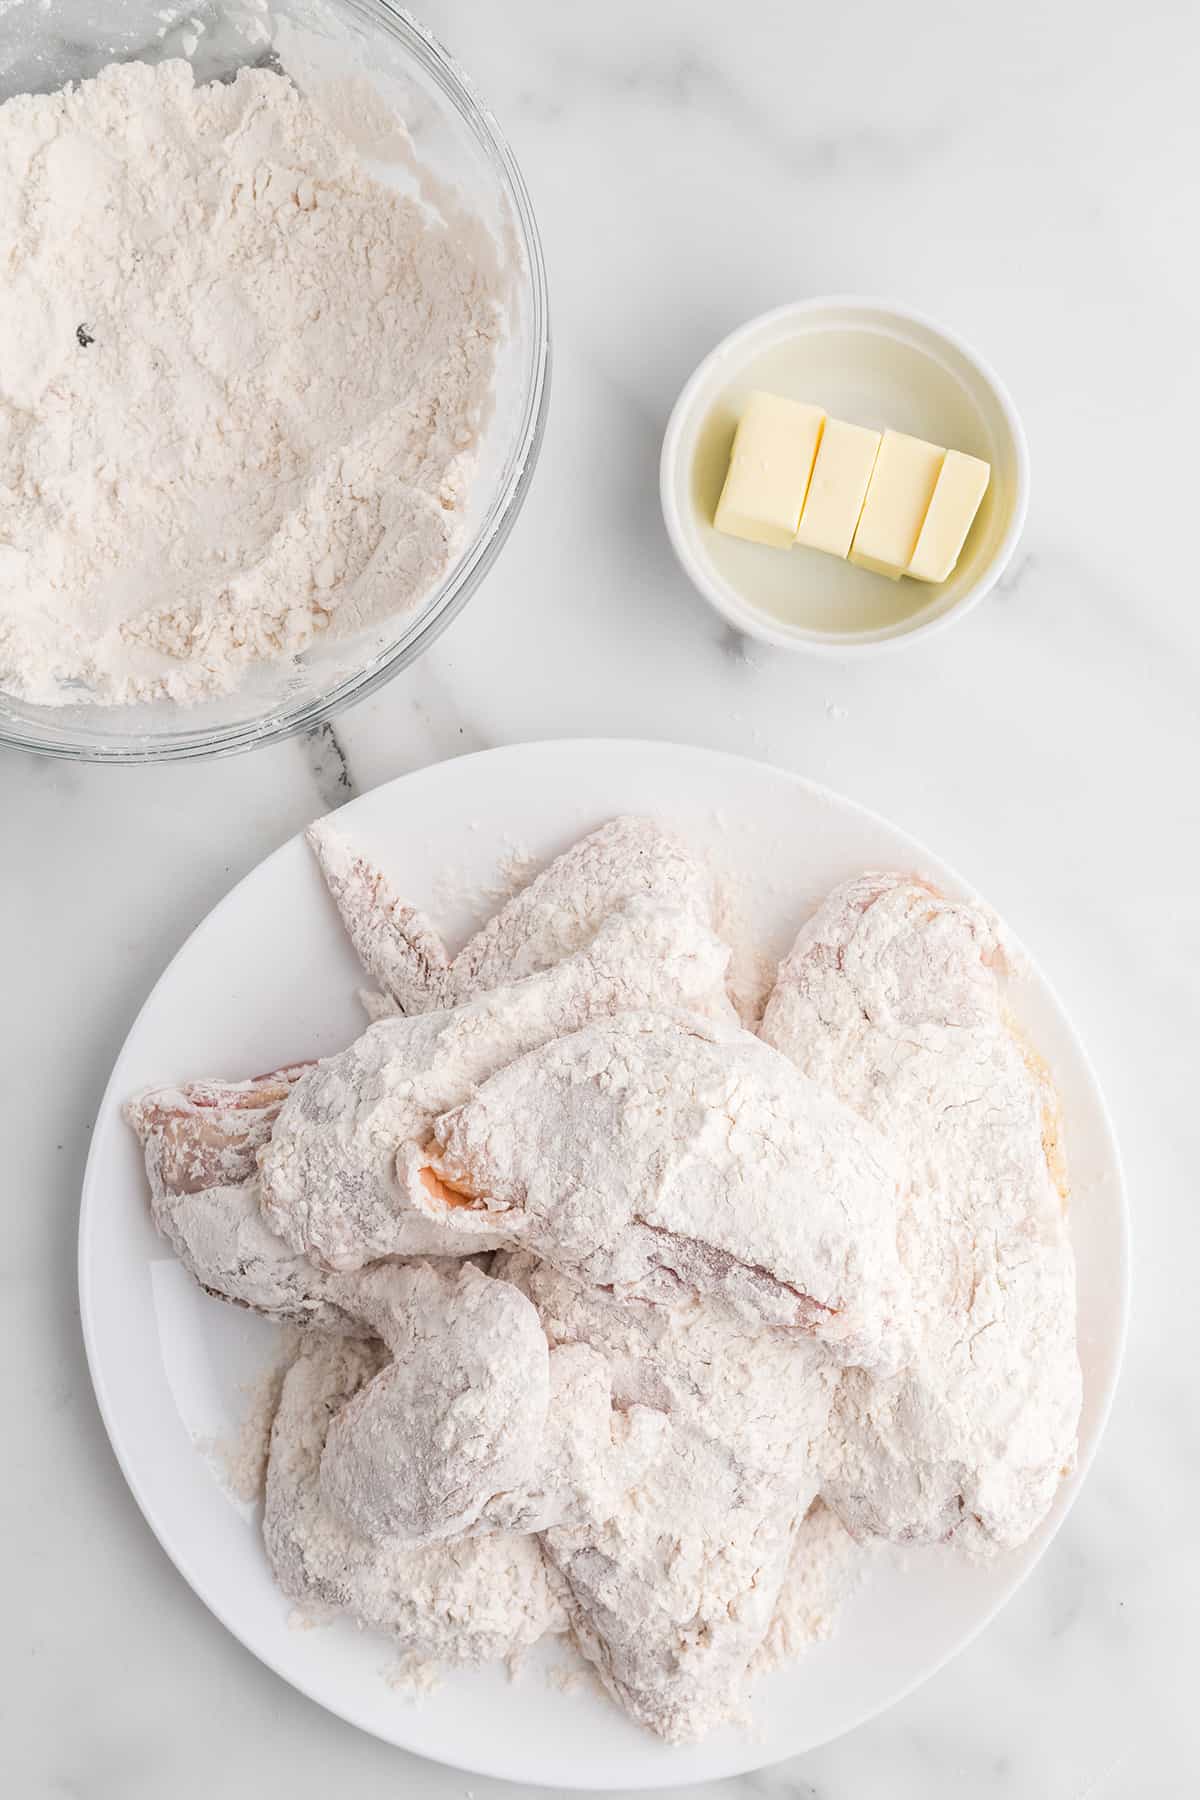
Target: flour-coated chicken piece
[[462, 1601], [892, 998], [475, 1424], [457, 1416], [595, 1450], [330, 1183], [472, 1425], [555, 916], [672, 1593], [201, 1143], [671, 1157]]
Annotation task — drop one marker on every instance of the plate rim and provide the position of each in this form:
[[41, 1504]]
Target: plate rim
[[177, 1554]]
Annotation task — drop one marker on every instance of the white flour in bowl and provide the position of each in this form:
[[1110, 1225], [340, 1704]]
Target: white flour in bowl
[[241, 384]]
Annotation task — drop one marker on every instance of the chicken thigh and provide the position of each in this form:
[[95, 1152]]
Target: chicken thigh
[[672, 1594], [475, 1424]]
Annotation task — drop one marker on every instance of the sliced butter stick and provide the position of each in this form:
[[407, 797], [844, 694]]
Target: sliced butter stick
[[902, 485], [960, 488], [773, 453], [840, 479]]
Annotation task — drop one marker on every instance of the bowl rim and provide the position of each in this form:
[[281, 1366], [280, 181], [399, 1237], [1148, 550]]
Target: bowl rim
[[203, 743], [723, 597]]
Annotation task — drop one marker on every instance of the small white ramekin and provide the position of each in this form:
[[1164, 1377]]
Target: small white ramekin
[[873, 363]]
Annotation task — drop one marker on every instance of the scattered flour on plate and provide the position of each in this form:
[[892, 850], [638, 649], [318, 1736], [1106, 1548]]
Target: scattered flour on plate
[[241, 1460], [241, 384], [414, 1675], [573, 1678]]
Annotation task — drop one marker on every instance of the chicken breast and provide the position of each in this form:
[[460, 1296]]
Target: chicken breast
[[672, 1157], [330, 1186], [893, 998]]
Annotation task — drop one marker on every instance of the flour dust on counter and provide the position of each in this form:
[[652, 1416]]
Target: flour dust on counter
[[241, 384]]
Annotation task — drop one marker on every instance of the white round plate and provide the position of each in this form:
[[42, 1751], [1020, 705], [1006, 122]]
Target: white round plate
[[268, 979]]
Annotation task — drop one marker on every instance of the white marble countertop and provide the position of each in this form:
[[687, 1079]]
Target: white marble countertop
[[1027, 174]]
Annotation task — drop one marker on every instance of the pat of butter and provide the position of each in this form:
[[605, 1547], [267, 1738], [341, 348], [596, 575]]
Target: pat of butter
[[902, 484], [960, 487], [773, 453], [840, 479]]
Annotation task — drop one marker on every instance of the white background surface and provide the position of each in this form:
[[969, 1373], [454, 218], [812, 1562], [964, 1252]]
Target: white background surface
[[1026, 174]]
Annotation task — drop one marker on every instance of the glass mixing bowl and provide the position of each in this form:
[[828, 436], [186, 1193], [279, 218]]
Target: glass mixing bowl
[[458, 141]]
